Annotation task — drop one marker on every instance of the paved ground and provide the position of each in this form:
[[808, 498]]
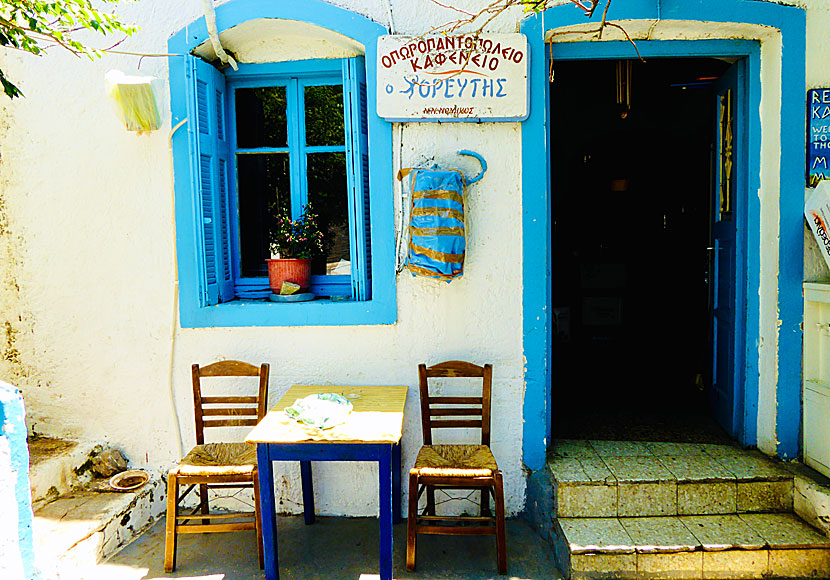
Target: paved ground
[[333, 549]]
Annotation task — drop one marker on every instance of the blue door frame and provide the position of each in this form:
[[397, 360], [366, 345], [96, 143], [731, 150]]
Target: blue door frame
[[536, 205]]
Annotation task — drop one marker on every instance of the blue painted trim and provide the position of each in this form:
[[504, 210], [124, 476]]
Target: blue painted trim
[[791, 22], [654, 48], [249, 150], [386, 499], [13, 428], [308, 492], [752, 242], [325, 148], [536, 259], [793, 25], [296, 132], [396, 483], [258, 73], [268, 512], [382, 308], [388, 458], [327, 451]]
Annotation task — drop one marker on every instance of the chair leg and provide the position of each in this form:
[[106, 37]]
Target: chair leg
[[412, 522], [258, 520], [501, 536], [170, 534], [485, 502], [430, 511], [203, 498]]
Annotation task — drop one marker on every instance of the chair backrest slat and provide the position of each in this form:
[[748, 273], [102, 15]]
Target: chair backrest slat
[[230, 411], [230, 368], [250, 408], [475, 408], [230, 423], [455, 412], [449, 423], [220, 400], [456, 368], [456, 400]]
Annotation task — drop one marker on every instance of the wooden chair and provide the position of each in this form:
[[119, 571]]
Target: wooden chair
[[468, 467], [217, 465]]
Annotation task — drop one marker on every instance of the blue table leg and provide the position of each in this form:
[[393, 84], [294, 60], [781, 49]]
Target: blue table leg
[[396, 483], [308, 492], [268, 511], [385, 498]]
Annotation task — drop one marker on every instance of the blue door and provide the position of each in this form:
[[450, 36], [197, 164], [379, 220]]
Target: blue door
[[726, 296]]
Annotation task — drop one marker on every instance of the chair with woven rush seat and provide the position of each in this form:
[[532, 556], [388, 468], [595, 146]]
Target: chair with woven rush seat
[[217, 465], [469, 467]]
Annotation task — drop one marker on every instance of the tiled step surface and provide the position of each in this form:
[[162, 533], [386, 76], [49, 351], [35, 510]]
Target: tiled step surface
[[79, 529], [719, 546], [630, 479]]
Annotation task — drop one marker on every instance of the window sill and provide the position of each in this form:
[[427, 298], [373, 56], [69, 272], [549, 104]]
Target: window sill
[[263, 312]]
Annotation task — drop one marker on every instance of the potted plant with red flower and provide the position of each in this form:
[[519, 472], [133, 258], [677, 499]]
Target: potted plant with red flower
[[293, 243]]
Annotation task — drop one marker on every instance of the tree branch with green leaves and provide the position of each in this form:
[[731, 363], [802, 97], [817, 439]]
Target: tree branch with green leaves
[[34, 26]]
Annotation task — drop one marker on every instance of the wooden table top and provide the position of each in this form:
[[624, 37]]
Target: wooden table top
[[377, 417]]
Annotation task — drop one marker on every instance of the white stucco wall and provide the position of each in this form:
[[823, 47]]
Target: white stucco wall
[[87, 261], [90, 204]]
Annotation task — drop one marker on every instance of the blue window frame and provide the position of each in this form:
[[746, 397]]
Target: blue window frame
[[299, 149], [205, 180], [225, 160]]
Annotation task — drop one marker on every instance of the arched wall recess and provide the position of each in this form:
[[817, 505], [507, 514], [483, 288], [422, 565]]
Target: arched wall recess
[[278, 39]]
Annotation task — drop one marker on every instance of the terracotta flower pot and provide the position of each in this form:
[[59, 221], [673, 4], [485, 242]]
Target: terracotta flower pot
[[296, 270]]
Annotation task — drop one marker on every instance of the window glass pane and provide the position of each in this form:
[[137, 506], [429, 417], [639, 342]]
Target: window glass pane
[[324, 115], [327, 195], [260, 117], [264, 191]]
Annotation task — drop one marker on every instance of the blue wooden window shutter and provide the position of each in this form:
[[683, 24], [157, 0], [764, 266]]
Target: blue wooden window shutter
[[357, 162], [209, 158]]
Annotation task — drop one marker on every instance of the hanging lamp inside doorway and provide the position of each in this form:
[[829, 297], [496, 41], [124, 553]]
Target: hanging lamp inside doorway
[[624, 74]]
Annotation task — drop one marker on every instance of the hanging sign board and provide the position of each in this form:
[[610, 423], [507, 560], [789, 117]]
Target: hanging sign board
[[445, 77], [818, 148]]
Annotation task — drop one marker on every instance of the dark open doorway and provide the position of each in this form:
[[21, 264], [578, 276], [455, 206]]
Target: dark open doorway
[[631, 190]]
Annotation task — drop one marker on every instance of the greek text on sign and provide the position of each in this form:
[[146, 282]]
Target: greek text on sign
[[453, 77]]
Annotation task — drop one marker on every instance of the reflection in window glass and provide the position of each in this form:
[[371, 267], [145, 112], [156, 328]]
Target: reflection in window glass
[[264, 192], [261, 118], [324, 115], [327, 194]]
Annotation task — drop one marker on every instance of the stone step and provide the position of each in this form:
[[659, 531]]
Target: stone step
[[52, 465], [719, 547], [632, 479], [80, 529]]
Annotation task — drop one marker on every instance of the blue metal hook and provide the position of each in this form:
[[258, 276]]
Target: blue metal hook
[[481, 160]]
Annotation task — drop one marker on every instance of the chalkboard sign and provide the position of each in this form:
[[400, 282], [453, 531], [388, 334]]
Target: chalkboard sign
[[818, 148]]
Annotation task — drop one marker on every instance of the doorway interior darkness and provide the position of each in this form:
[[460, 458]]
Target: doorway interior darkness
[[631, 214]]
